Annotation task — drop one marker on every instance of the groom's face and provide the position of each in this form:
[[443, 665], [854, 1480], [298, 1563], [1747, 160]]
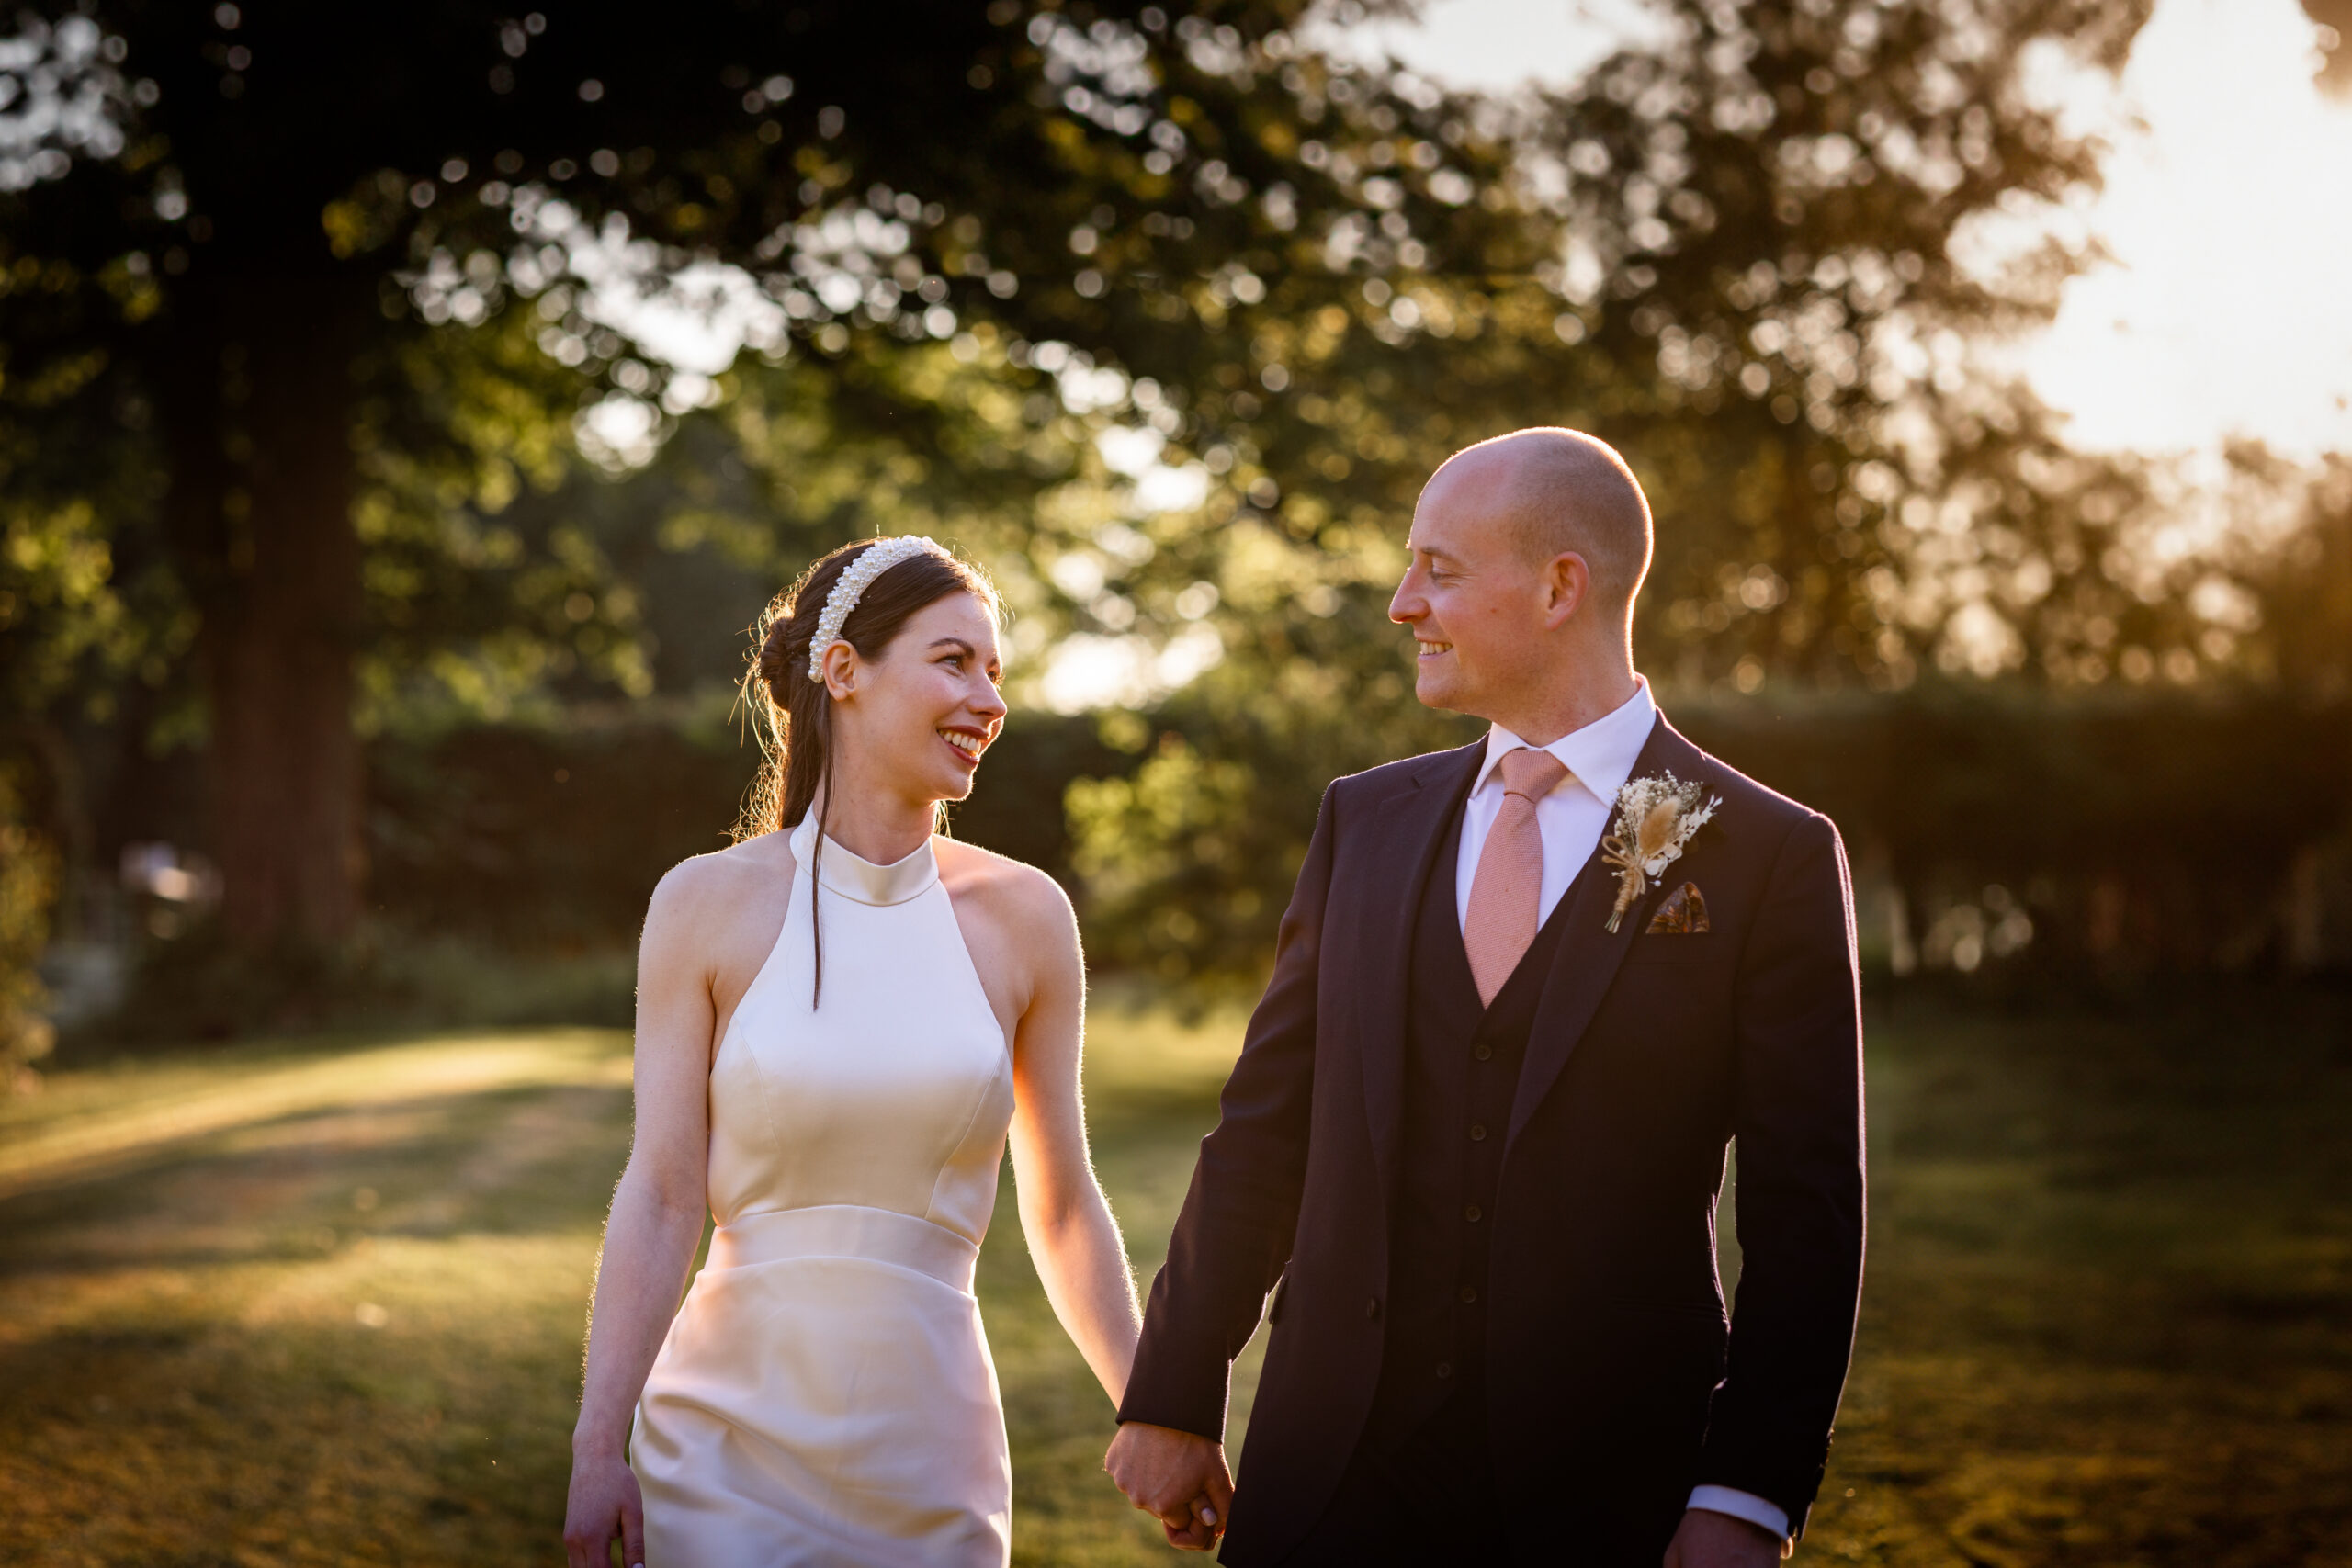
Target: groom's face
[[1475, 603]]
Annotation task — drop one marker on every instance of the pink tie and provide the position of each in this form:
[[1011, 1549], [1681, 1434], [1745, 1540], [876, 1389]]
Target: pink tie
[[1507, 888]]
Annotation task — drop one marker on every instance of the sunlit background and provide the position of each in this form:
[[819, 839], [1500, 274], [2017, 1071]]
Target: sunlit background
[[404, 413], [2197, 322], [2221, 315]]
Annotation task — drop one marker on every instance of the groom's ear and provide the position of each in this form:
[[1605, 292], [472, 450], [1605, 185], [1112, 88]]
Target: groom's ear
[[1566, 584]]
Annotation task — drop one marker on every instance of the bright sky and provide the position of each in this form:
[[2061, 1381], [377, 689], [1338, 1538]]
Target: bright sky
[[2231, 218], [2228, 307], [1502, 43]]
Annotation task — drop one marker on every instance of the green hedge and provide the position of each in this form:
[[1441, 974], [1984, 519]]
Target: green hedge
[[2131, 832], [2132, 835], [553, 839], [2143, 832]]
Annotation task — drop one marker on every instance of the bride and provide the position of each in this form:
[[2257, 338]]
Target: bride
[[839, 1021]]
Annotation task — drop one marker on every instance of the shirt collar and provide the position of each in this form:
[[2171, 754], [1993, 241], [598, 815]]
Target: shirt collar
[[1601, 755]]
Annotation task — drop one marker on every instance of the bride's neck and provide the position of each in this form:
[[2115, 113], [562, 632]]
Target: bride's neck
[[874, 824]]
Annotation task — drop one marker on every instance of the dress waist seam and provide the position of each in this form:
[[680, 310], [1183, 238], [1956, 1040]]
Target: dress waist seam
[[846, 1230]]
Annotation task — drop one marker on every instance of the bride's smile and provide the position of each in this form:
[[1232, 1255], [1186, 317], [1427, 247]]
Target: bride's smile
[[915, 719]]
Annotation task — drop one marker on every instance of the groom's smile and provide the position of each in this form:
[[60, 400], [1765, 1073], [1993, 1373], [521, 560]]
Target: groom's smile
[[1470, 596], [1524, 556]]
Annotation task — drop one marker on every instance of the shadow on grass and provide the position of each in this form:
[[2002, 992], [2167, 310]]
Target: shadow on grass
[[2107, 1318], [291, 1187], [346, 1334], [2109, 1312]]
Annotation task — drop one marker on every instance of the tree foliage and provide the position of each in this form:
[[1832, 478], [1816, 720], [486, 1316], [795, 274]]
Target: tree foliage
[[1739, 256], [1166, 313]]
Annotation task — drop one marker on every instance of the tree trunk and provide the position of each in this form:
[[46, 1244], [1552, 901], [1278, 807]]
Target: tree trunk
[[281, 597]]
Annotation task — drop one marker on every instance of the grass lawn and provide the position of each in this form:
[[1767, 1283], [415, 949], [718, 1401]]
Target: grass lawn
[[319, 1301]]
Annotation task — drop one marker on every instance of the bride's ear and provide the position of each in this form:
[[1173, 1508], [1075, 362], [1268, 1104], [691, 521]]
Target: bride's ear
[[841, 667]]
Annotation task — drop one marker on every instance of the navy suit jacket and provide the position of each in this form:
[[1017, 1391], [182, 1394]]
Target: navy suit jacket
[[1615, 1379]]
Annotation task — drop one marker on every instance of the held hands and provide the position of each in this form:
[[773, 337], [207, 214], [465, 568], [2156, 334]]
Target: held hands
[[1179, 1478], [604, 1504], [1709, 1540]]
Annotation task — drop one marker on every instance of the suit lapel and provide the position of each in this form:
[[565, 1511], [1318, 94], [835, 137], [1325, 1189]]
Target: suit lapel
[[1406, 829], [1588, 955]]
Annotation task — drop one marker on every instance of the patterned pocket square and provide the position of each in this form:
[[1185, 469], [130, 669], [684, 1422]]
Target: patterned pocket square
[[1684, 913]]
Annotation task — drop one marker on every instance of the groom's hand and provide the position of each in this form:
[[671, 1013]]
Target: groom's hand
[[1709, 1540], [1179, 1478]]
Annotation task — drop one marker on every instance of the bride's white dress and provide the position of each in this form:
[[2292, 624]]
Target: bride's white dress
[[825, 1396]]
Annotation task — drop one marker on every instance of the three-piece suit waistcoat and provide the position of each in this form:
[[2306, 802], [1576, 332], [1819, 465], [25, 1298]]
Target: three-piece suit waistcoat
[[1461, 1065]]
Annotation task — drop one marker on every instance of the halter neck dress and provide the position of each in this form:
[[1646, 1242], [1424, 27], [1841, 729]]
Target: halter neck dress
[[825, 1394]]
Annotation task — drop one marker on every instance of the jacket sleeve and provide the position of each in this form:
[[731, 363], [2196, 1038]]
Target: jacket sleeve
[[1234, 1235], [1798, 1118]]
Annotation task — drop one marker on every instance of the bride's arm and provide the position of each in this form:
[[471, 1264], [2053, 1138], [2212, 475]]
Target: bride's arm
[[656, 1221], [1072, 1238]]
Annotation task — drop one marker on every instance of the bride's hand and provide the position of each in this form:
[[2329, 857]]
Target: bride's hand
[[604, 1503]]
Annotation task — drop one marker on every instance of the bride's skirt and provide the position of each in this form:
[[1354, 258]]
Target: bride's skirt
[[825, 1396]]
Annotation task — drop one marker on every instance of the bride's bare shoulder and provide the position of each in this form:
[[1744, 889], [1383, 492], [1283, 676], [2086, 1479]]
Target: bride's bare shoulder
[[1011, 890], [720, 885]]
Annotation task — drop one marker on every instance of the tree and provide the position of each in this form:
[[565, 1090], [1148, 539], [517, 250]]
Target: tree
[[1000, 249], [1733, 255], [257, 217]]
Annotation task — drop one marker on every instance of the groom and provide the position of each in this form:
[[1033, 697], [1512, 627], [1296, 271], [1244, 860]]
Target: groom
[[1474, 1137]]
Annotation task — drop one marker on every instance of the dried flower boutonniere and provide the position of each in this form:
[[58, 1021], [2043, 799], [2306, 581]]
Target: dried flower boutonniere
[[1656, 817]]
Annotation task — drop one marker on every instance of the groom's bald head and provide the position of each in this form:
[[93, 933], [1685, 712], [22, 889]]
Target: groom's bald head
[[1559, 490]]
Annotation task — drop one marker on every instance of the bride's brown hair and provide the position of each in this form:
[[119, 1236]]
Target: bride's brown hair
[[794, 714]]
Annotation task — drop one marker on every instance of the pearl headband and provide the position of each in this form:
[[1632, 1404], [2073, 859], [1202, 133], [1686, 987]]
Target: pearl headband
[[851, 586]]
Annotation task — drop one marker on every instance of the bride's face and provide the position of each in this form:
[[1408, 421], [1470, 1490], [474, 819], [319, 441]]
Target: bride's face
[[915, 719]]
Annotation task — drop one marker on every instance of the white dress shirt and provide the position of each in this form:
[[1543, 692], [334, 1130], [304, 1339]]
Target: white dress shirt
[[1599, 759]]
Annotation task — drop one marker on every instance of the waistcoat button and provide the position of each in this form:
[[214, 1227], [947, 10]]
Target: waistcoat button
[[1468, 1294], [1478, 1131], [1445, 1369], [1473, 1214], [1482, 1051]]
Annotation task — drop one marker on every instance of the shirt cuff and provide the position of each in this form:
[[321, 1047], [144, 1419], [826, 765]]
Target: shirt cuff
[[1741, 1505]]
